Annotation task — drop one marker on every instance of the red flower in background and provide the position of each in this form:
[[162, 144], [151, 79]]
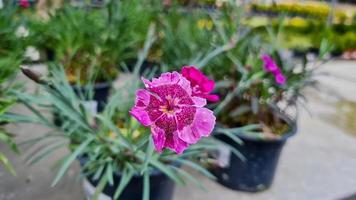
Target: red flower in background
[[271, 66], [201, 85], [24, 3]]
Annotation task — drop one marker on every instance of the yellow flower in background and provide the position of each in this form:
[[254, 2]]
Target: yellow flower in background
[[161, 34], [71, 78], [205, 24], [112, 135], [209, 25], [298, 22], [125, 131], [201, 24], [159, 53]]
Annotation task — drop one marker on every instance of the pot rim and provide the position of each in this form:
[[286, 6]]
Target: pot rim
[[289, 133], [153, 172], [96, 86]]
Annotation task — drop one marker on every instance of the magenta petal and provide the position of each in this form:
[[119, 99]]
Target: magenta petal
[[158, 137], [185, 72], [146, 82], [208, 86], [166, 78], [138, 111], [280, 79], [204, 122], [199, 102], [188, 135], [175, 143], [185, 84], [212, 98], [202, 125], [196, 75], [141, 115], [142, 97], [271, 67]]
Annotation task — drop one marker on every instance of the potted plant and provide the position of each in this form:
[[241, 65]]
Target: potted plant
[[11, 54], [7, 100], [183, 38], [257, 87], [120, 158], [92, 43]]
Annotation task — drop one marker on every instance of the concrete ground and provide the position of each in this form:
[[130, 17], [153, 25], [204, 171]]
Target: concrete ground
[[318, 163]]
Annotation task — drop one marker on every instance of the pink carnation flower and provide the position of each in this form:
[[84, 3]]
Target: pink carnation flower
[[24, 3], [177, 118], [280, 79], [271, 66], [201, 85]]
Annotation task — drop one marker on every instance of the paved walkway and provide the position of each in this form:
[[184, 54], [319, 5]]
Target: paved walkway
[[318, 163]]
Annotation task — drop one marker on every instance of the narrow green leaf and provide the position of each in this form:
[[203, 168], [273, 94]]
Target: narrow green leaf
[[122, 140], [48, 150], [146, 186], [166, 170], [68, 161], [7, 139], [230, 135], [126, 177], [98, 172], [110, 174], [232, 149], [195, 166], [102, 183], [7, 164], [149, 152], [190, 177]]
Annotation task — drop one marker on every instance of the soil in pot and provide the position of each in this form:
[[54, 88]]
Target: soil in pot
[[256, 173]]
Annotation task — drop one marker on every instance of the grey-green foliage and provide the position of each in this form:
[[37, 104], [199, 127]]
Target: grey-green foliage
[[107, 147], [110, 142], [93, 39], [249, 93], [11, 54]]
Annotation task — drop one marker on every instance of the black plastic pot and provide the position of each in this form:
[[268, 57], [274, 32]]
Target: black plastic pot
[[161, 187], [146, 66], [256, 173], [51, 56], [101, 93]]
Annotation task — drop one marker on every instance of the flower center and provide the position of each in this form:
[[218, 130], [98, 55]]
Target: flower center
[[171, 105]]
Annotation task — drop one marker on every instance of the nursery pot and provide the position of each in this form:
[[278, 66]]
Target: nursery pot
[[101, 94], [97, 104], [256, 172], [146, 66], [50, 54], [161, 187]]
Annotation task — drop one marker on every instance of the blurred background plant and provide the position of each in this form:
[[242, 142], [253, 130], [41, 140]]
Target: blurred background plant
[[183, 38], [95, 43], [12, 48], [251, 94], [92, 40], [306, 23], [106, 144]]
